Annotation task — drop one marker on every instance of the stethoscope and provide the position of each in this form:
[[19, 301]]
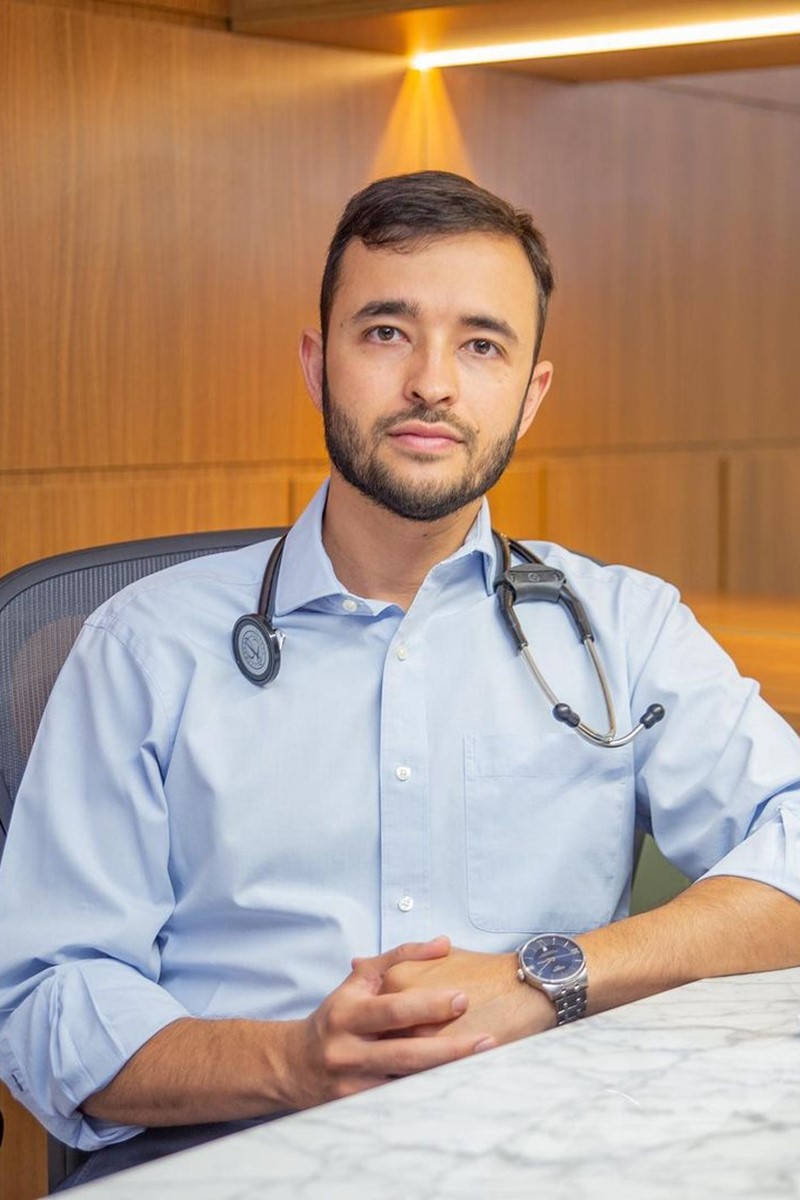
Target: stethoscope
[[257, 644]]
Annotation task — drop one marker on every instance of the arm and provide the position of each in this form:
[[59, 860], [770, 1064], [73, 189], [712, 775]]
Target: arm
[[717, 784], [197, 1070], [720, 926]]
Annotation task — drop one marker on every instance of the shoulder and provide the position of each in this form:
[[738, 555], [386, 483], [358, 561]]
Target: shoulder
[[584, 571], [627, 608], [211, 585]]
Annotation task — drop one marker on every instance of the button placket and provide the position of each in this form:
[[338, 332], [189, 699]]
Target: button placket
[[404, 798]]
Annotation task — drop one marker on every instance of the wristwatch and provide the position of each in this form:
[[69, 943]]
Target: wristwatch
[[556, 965]]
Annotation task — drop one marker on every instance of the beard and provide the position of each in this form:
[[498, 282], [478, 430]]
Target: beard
[[355, 456]]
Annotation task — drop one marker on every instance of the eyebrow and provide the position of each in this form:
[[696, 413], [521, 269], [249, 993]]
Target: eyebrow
[[387, 308], [490, 324], [405, 308]]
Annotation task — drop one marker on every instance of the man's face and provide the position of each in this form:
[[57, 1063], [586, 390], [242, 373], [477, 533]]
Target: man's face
[[427, 380]]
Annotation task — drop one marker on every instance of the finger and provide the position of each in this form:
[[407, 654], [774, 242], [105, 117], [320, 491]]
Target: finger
[[408, 1056], [404, 1010], [438, 947]]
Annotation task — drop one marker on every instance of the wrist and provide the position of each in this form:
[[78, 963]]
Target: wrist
[[536, 1011], [554, 965], [283, 1053]]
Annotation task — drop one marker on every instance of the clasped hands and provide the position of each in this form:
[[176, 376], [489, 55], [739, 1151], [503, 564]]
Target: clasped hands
[[417, 1006]]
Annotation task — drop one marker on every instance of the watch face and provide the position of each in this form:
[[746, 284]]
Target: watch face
[[552, 958]]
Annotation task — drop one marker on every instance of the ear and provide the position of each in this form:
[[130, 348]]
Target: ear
[[312, 361], [539, 385]]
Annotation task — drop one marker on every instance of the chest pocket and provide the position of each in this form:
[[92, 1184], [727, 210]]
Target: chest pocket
[[549, 832]]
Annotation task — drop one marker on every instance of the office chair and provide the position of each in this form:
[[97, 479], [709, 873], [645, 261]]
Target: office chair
[[42, 608]]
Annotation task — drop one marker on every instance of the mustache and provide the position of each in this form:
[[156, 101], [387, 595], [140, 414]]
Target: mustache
[[426, 416]]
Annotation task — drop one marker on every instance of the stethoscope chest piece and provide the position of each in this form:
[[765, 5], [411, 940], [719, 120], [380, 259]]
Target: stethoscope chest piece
[[257, 643], [257, 648]]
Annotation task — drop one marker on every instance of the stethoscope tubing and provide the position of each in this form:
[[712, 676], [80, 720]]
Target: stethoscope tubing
[[257, 644], [545, 582]]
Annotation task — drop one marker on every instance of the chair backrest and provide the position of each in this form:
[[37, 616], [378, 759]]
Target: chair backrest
[[42, 608]]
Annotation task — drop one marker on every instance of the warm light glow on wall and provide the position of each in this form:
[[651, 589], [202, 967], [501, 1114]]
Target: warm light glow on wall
[[604, 43]]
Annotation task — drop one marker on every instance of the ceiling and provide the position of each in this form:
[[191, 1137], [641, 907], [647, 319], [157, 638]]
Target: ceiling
[[394, 27]]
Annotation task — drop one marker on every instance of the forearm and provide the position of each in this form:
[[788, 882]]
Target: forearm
[[195, 1071], [720, 926]]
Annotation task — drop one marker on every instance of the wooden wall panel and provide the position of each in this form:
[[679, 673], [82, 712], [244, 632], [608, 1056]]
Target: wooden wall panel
[[672, 221], [763, 523], [658, 512], [517, 501], [302, 488], [52, 513], [205, 14], [384, 26], [167, 197]]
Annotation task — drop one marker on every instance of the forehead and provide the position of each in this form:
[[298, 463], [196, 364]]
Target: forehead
[[444, 276]]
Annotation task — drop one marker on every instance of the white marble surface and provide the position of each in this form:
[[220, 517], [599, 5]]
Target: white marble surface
[[695, 1093]]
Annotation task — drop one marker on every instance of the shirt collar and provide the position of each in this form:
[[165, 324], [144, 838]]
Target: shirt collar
[[307, 575]]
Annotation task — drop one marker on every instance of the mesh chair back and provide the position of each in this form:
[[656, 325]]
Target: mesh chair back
[[42, 609]]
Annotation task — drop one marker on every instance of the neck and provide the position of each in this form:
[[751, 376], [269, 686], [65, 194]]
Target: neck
[[381, 556]]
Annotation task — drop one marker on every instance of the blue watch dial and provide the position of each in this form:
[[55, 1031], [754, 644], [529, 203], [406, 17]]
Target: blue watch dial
[[553, 958]]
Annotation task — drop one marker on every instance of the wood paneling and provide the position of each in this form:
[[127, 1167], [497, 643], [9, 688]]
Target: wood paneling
[[167, 200], [514, 17], [779, 88], [518, 501], [302, 487], [391, 26], [204, 14], [52, 513], [167, 196], [23, 1153], [763, 550], [672, 223], [656, 511]]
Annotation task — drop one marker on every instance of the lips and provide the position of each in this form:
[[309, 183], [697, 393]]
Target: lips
[[418, 435]]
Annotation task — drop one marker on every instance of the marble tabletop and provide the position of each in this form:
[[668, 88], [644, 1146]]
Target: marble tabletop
[[694, 1093]]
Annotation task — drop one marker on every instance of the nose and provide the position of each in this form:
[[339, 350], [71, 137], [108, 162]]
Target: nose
[[431, 378]]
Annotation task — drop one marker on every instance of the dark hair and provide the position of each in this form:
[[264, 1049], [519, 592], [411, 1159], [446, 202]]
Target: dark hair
[[406, 209]]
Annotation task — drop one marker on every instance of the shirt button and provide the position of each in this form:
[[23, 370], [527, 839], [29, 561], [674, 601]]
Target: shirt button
[[349, 605], [402, 653], [406, 904], [403, 773]]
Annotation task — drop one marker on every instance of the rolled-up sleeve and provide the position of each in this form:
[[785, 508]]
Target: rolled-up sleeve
[[719, 783], [85, 891]]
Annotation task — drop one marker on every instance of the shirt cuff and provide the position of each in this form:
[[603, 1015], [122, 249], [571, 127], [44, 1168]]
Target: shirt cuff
[[770, 855], [75, 1032]]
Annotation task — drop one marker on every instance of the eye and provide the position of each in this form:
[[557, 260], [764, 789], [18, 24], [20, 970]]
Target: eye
[[484, 348], [383, 333]]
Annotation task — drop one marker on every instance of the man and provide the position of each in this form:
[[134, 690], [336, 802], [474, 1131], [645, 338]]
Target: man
[[216, 853]]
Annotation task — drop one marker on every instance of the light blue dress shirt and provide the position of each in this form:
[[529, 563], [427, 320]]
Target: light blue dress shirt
[[185, 842]]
